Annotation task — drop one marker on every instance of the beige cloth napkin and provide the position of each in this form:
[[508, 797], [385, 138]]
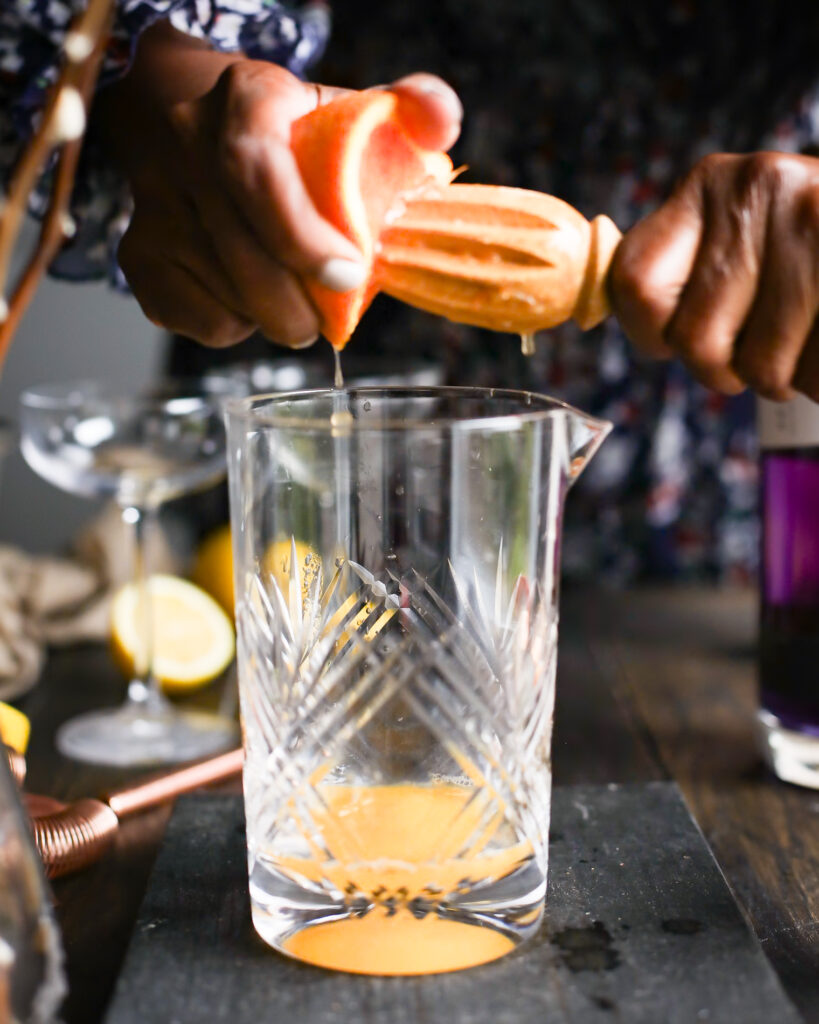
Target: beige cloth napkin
[[58, 601]]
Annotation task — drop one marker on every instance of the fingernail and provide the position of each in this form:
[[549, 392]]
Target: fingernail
[[307, 343], [340, 275]]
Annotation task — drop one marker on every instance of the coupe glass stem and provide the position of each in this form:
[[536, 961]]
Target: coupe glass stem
[[143, 689]]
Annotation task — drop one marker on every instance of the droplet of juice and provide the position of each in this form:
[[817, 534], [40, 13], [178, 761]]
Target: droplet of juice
[[338, 380], [341, 423], [527, 343]]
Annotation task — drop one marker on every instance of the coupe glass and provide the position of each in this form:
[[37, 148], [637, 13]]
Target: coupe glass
[[140, 450], [397, 562]]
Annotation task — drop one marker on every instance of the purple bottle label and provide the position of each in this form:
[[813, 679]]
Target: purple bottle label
[[790, 508]]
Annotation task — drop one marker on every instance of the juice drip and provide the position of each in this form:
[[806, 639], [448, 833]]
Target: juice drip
[[341, 423], [527, 343], [341, 419]]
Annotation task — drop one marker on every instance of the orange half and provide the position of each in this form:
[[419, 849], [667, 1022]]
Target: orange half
[[358, 161]]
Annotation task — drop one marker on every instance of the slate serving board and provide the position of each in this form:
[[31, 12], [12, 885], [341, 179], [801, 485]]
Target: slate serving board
[[641, 927]]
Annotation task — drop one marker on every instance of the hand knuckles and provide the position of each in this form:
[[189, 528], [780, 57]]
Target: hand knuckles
[[232, 84], [239, 95], [768, 376], [634, 281], [764, 173], [709, 167], [247, 158], [219, 331], [715, 379], [150, 304], [154, 305], [701, 348], [773, 394], [131, 257], [293, 330], [704, 176], [182, 118], [247, 92], [236, 154], [807, 213], [292, 336], [762, 166]]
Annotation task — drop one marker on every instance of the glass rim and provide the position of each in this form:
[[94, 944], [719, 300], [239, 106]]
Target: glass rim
[[65, 394], [242, 409]]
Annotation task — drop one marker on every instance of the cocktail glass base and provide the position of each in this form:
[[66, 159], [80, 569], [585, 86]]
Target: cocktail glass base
[[134, 737], [793, 756]]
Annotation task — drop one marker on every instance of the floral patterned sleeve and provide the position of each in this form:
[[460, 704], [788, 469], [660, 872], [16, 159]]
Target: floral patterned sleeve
[[31, 36]]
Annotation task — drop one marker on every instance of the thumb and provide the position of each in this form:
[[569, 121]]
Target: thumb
[[429, 109]]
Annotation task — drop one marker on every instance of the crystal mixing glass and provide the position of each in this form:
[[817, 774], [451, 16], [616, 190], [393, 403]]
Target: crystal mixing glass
[[397, 563]]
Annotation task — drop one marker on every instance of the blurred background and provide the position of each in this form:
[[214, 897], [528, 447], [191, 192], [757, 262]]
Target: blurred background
[[71, 330]]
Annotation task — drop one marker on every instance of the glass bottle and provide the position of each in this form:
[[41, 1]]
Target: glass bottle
[[789, 608]]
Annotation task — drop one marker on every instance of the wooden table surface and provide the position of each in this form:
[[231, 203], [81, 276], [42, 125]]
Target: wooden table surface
[[652, 684]]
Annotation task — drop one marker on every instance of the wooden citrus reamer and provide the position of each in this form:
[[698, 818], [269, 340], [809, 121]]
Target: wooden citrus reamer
[[507, 259]]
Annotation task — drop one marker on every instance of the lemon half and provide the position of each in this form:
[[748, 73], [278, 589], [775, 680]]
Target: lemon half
[[192, 636]]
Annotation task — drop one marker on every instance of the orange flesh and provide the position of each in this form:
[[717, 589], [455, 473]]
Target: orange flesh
[[411, 841], [356, 159]]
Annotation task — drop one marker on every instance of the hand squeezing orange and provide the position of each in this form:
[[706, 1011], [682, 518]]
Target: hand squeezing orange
[[357, 161], [506, 259]]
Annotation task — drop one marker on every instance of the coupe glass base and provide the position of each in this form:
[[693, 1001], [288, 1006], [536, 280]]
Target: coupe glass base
[[133, 737], [792, 756]]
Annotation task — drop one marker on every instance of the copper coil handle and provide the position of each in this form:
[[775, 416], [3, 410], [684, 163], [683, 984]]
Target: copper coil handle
[[75, 836]]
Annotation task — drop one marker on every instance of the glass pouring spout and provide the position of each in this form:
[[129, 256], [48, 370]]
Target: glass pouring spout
[[584, 435]]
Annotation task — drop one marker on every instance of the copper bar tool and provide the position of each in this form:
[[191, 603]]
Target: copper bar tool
[[73, 836]]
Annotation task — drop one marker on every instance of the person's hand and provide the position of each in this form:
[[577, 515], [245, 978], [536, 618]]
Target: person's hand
[[725, 275], [223, 229]]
